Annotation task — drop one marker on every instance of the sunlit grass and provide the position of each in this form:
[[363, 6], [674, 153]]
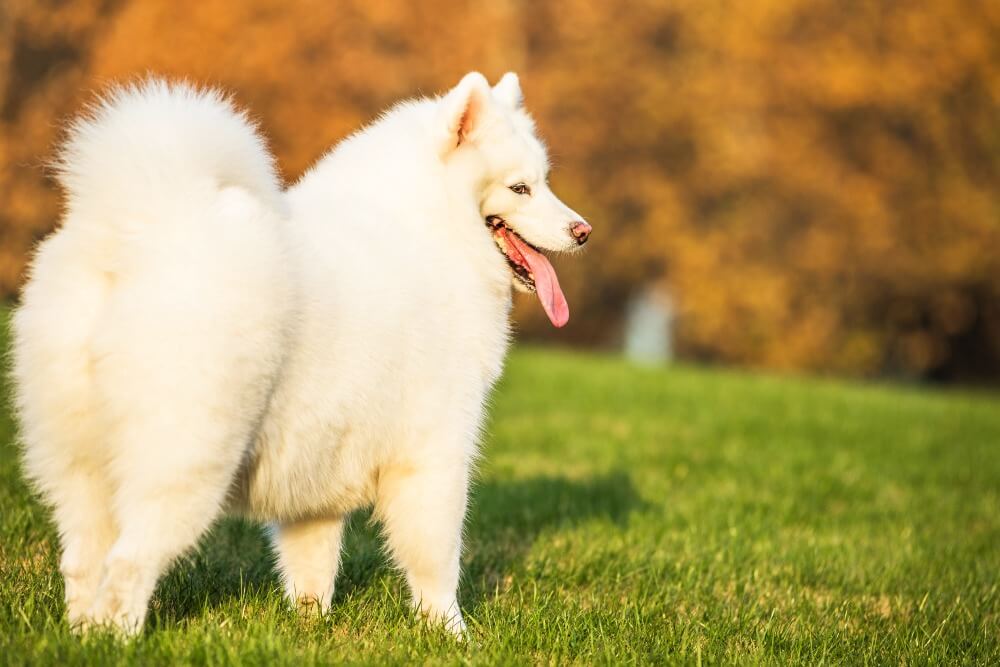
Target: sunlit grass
[[621, 515]]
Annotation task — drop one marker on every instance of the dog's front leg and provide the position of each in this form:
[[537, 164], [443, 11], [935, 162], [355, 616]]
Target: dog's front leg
[[422, 506], [308, 558]]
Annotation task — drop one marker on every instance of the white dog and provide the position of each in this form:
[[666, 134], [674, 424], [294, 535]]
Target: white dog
[[194, 340]]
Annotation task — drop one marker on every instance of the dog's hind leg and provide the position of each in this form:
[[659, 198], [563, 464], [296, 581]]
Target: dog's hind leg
[[186, 401], [308, 558], [88, 530], [422, 506], [163, 505], [64, 448], [188, 353]]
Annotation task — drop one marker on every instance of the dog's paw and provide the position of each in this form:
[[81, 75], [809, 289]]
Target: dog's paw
[[80, 592], [447, 616], [123, 625], [121, 600], [310, 606], [456, 626]]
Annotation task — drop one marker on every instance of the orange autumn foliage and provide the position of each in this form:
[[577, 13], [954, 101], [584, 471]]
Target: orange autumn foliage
[[816, 184]]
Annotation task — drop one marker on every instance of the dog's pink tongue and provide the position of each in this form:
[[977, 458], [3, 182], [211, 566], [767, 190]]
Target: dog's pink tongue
[[546, 283]]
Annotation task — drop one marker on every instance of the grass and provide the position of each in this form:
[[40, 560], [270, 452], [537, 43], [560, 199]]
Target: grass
[[621, 515]]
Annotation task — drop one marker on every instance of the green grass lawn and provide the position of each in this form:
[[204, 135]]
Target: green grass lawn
[[621, 515]]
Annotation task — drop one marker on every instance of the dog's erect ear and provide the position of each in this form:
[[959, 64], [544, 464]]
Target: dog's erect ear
[[508, 91], [463, 109]]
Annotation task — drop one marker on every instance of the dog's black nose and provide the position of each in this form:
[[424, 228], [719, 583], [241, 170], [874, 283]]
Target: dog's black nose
[[580, 231]]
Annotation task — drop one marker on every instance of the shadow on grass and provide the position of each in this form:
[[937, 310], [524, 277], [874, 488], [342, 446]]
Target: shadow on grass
[[505, 519], [233, 562]]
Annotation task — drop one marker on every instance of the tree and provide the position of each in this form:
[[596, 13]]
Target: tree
[[815, 183]]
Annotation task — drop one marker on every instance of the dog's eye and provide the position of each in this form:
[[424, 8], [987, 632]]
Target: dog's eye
[[521, 189]]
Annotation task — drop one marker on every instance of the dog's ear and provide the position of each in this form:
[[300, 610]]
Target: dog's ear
[[508, 91], [463, 109]]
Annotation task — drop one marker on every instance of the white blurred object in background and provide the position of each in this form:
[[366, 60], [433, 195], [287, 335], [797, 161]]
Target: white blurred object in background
[[649, 327]]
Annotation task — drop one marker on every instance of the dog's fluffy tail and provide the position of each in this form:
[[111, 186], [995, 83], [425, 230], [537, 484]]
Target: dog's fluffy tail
[[160, 147]]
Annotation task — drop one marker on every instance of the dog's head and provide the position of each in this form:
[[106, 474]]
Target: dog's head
[[487, 133]]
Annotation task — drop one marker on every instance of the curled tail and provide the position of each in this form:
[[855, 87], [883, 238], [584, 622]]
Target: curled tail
[[147, 153]]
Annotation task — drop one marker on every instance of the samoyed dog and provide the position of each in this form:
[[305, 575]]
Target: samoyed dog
[[195, 340]]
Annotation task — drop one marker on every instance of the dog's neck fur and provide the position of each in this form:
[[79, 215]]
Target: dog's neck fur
[[447, 187]]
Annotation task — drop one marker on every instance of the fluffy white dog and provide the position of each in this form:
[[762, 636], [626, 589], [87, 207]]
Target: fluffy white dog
[[194, 340]]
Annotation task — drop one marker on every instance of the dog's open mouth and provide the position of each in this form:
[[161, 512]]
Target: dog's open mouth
[[532, 269]]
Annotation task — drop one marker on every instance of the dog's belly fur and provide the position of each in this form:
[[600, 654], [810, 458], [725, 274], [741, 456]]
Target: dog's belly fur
[[320, 455], [307, 465]]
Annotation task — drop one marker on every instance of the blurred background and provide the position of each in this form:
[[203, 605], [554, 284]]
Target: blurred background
[[785, 184]]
